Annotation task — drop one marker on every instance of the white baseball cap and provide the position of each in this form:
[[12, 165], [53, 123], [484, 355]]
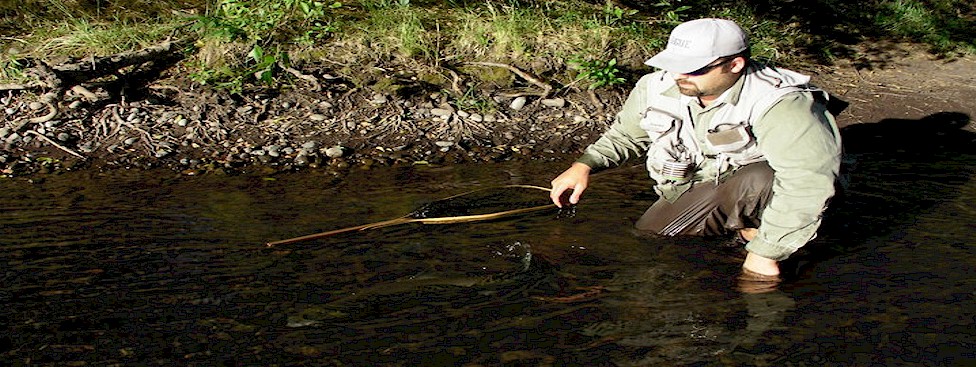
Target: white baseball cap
[[695, 44]]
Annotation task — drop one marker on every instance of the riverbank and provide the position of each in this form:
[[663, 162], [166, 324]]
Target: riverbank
[[329, 122]]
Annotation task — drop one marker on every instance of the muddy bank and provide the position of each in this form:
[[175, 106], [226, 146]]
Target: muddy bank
[[398, 119], [172, 122]]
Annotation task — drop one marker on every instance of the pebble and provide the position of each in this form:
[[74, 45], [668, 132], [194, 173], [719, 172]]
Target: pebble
[[317, 117], [463, 114], [35, 105], [554, 102], [334, 152], [444, 144], [75, 105], [130, 141], [309, 145], [476, 117], [273, 150], [10, 110], [379, 99], [517, 103], [441, 112]]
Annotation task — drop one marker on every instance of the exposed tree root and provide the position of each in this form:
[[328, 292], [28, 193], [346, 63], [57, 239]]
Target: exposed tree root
[[55, 144]]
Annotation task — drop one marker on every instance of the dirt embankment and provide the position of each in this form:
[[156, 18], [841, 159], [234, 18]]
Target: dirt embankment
[[330, 122]]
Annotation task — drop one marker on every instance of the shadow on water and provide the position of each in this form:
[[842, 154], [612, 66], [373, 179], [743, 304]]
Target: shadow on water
[[890, 269], [896, 169]]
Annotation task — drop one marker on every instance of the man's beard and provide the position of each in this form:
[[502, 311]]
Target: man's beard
[[689, 89]]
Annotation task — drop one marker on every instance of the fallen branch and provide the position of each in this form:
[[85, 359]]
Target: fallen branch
[[97, 67], [58, 78], [546, 88]]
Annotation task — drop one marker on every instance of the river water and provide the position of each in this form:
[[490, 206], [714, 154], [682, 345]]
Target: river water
[[153, 268]]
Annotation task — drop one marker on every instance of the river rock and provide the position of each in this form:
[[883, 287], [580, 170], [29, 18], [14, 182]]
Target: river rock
[[334, 152], [554, 102], [441, 112], [517, 103], [379, 99]]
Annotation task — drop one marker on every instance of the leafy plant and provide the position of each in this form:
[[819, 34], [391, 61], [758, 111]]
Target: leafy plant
[[265, 63], [10, 69], [672, 15], [260, 26], [599, 73], [613, 13]]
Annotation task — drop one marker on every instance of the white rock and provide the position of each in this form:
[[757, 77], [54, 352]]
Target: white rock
[[517, 103], [334, 152], [554, 102], [441, 112]]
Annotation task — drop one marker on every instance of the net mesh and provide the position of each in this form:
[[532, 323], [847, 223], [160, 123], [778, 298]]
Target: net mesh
[[483, 202]]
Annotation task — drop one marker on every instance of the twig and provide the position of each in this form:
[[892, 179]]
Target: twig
[[524, 75], [52, 142], [13, 86], [595, 100], [84, 92], [454, 82], [298, 74]]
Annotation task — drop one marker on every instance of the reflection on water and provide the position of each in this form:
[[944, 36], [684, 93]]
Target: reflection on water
[[152, 269]]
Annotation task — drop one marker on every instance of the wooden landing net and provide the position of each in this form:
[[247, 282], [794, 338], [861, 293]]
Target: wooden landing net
[[471, 206]]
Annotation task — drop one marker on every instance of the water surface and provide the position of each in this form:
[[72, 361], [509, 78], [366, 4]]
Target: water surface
[[152, 268]]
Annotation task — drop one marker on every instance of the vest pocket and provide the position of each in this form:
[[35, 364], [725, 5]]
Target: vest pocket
[[729, 138]]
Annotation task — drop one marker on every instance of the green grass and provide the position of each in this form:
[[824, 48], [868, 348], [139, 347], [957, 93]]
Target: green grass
[[946, 26], [537, 36]]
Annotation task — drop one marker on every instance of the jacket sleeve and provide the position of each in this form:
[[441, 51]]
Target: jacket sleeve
[[800, 140], [625, 139]]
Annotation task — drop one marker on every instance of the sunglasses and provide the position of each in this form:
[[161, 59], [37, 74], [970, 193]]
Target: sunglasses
[[708, 68]]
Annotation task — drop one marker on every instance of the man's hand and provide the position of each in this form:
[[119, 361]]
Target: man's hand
[[761, 265], [576, 177]]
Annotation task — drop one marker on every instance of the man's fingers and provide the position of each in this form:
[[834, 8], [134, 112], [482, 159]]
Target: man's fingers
[[556, 193], [554, 196], [577, 192]]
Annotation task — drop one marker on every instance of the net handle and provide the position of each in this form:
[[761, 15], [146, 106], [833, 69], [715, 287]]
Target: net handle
[[438, 220]]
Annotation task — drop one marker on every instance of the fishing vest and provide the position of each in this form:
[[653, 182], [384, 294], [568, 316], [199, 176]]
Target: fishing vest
[[676, 154]]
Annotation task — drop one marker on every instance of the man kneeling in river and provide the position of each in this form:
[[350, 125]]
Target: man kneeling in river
[[733, 146]]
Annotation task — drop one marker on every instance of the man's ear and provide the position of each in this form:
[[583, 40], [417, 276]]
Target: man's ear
[[738, 64]]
